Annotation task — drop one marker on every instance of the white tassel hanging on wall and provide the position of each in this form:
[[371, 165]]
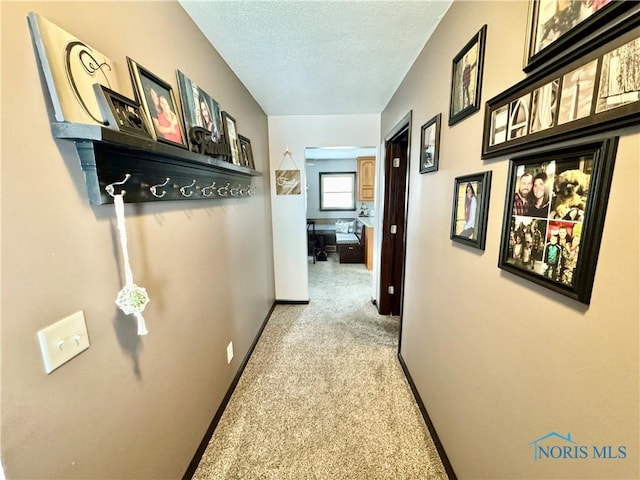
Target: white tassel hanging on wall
[[132, 299]]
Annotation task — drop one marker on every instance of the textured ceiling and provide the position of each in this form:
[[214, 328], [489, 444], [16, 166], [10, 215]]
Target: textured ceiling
[[318, 57]]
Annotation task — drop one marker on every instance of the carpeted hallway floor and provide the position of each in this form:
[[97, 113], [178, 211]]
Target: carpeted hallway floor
[[323, 395]]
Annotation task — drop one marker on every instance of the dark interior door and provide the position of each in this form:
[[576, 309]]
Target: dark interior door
[[392, 250]]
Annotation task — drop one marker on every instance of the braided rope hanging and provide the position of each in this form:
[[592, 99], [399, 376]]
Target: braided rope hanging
[[132, 299]]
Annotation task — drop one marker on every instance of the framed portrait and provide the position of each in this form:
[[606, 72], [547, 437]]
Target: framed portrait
[[593, 94], [430, 145], [199, 109], [466, 78], [246, 154], [572, 26], [554, 215], [159, 103], [231, 136], [70, 67], [470, 209], [122, 113]]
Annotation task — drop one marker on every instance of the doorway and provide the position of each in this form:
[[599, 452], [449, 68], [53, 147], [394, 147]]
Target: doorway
[[396, 193]]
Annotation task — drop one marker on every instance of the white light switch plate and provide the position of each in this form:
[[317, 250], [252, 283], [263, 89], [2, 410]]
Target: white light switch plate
[[63, 340]]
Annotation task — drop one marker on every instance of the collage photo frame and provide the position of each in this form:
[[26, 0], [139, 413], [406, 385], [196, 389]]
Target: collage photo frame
[[598, 92], [554, 213]]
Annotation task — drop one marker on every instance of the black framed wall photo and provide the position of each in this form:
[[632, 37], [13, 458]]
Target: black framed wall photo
[[466, 78], [554, 215], [470, 209], [430, 145], [554, 28], [157, 98], [596, 93]]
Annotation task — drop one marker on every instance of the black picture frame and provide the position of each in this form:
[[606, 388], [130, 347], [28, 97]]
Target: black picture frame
[[466, 78], [122, 113], [430, 145], [230, 128], [554, 242], [246, 153], [581, 98], [199, 109], [572, 30], [154, 94], [469, 213]]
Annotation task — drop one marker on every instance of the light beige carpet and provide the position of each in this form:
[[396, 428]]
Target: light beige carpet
[[323, 395]]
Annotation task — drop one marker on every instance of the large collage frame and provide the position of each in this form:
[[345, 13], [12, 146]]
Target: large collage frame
[[582, 98], [554, 213]]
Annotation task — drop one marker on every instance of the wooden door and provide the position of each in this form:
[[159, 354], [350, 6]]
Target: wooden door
[[392, 254]]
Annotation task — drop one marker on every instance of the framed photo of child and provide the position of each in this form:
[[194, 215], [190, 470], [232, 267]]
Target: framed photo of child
[[466, 78]]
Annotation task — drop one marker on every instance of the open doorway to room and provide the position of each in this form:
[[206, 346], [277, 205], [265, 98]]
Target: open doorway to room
[[340, 186]]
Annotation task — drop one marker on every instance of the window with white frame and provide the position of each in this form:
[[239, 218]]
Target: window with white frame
[[338, 191]]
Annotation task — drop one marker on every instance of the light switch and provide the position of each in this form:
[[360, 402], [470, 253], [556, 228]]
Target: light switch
[[63, 340], [229, 352]]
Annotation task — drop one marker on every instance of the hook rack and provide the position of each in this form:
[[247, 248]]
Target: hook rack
[[149, 171]]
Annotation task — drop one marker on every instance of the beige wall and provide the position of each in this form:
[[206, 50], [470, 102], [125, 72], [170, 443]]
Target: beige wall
[[128, 407], [499, 361]]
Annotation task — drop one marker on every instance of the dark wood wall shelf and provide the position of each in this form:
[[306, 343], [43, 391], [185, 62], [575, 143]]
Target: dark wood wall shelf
[[153, 171]]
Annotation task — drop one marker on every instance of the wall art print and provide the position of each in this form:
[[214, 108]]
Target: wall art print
[[70, 68], [287, 182], [554, 214]]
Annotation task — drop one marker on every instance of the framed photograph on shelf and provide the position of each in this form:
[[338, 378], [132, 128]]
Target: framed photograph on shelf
[[122, 113], [199, 110], [466, 78], [156, 97], [555, 28], [594, 94], [231, 135], [430, 145], [246, 154], [554, 215], [470, 209]]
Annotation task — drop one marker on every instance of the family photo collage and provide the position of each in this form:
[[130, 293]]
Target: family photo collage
[[582, 60]]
